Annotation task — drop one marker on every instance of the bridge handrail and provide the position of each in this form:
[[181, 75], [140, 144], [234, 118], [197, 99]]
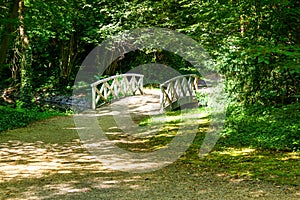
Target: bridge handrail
[[115, 76], [178, 87], [178, 77], [117, 87]]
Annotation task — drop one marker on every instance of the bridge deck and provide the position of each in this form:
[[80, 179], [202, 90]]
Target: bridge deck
[[147, 104]]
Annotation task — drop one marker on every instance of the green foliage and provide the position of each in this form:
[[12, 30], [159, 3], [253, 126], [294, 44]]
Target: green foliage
[[202, 97], [14, 118], [146, 56], [267, 127], [255, 45]]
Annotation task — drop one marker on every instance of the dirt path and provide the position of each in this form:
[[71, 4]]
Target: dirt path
[[41, 170], [46, 160]]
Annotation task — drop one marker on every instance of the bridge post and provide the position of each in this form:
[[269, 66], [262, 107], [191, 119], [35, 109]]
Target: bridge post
[[93, 98]]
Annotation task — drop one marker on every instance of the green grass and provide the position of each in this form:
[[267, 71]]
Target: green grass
[[250, 164], [264, 127], [241, 153], [259, 127], [13, 118]]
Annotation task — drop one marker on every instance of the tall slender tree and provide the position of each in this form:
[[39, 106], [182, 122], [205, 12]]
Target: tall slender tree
[[8, 30]]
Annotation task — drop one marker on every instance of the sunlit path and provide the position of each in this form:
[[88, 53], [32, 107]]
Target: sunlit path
[[46, 160]]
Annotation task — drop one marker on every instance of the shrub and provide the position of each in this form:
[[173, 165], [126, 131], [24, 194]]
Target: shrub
[[14, 118]]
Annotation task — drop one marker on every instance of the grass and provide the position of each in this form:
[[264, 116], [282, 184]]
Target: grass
[[282, 168], [242, 156], [263, 127]]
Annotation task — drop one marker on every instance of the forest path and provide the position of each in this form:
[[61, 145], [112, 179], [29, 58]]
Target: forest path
[[47, 160]]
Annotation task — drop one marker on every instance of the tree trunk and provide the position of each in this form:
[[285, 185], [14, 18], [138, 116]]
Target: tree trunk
[[26, 88], [9, 28]]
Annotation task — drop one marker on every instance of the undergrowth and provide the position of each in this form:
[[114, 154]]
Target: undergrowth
[[263, 127], [20, 117]]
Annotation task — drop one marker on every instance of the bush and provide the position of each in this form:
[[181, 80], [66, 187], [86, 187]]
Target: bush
[[14, 118]]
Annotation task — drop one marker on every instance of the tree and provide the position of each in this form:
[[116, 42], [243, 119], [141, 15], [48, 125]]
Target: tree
[[255, 45], [8, 27]]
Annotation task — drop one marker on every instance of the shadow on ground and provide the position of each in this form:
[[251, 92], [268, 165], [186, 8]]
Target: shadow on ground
[[46, 160]]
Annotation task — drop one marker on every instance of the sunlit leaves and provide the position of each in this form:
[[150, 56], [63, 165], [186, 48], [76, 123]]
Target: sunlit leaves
[[254, 44]]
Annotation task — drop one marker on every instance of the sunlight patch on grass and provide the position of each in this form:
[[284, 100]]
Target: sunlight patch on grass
[[75, 128], [62, 189], [252, 164], [237, 152], [154, 132], [176, 116], [160, 119], [291, 156]]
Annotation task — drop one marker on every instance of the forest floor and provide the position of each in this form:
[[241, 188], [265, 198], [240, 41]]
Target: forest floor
[[47, 160]]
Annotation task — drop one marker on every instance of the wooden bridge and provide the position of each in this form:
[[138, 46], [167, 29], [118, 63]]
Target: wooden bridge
[[174, 93], [115, 87]]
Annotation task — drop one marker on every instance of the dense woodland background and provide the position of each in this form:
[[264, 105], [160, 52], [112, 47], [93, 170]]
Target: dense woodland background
[[254, 44]]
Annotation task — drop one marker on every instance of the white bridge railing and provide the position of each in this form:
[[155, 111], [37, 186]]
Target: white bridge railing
[[178, 91], [115, 87]]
